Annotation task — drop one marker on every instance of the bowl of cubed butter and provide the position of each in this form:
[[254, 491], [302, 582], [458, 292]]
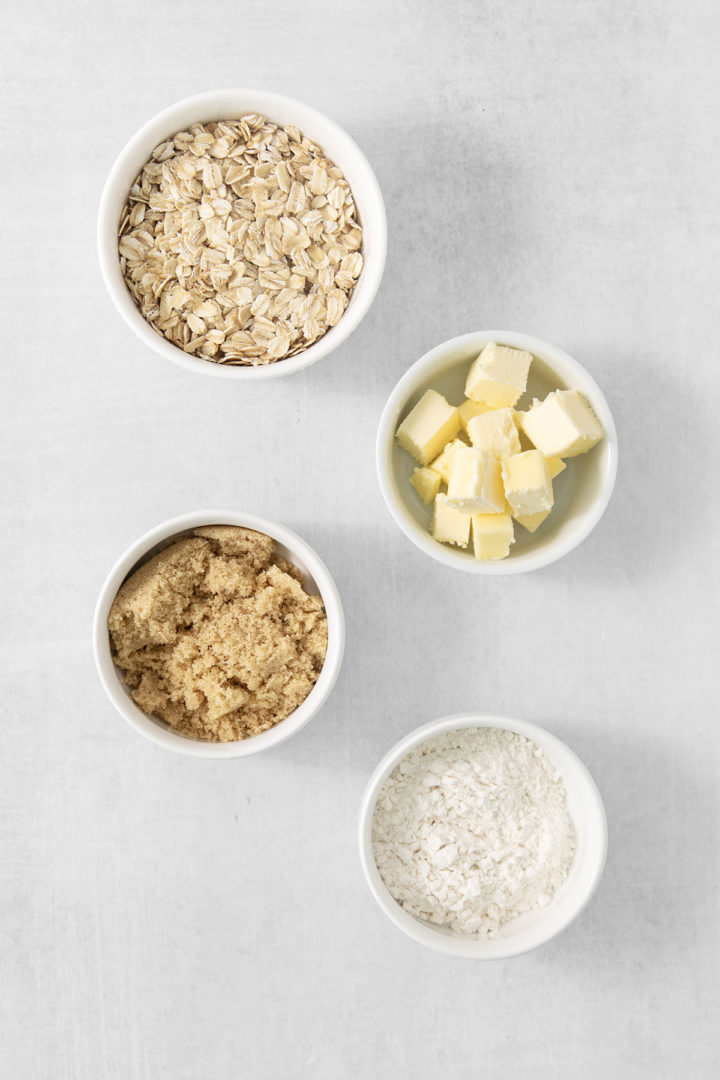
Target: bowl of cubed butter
[[496, 453]]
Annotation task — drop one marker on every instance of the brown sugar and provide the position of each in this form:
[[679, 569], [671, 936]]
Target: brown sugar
[[216, 635]]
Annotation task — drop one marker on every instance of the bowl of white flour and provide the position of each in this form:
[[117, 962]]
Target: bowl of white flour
[[482, 836]]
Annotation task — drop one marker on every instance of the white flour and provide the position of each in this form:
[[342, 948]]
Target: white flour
[[472, 829]]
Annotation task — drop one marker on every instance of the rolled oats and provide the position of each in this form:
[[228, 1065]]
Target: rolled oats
[[240, 241]]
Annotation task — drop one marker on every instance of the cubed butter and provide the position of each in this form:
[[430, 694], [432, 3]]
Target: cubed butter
[[525, 443], [470, 408], [426, 482], [428, 427], [563, 425], [498, 376], [442, 464], [492, 535], [528, 486], [531, 522], [555, 466], [476, 484], [449, 525], [495, 431]]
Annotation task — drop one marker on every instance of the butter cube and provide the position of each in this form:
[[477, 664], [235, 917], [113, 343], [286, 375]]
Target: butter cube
[[443, 462], [563, 425], [498, 376], [470, 408], [525, 443], [476, 484], [528, 486], [495, 431], [531, 522], [492, 535], [428, 426], [449, 525], [426, 482]]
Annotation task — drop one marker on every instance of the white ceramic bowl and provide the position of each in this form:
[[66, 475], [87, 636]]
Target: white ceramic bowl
[[536, 927], [582, 491], [227, 105], [316, 579]]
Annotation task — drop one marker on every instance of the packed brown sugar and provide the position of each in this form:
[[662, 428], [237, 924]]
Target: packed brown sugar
[[216, 635]]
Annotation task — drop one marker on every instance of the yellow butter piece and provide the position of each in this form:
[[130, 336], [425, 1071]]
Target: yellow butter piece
[[528, 487], [426, 482], [492, 535], [470, 408], [442, 464], [555, 466], [428, 427], [495, 431], [476, 484], [532, 522], [563, 425], [449, 525], [525, 443], [498, 375]]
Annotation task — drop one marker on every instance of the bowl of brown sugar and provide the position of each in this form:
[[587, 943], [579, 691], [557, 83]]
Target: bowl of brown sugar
[[218, 634]]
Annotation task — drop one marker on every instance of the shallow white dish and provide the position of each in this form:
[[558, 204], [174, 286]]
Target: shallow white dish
[[228, 105], [534, 928], [316, 579], [582, 491]]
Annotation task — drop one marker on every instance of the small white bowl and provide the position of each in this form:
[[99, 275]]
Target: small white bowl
[[228, 105], [583, 490], [533, 928], [316, 579]]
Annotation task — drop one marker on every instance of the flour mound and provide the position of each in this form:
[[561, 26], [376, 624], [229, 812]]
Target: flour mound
[[472, 829]]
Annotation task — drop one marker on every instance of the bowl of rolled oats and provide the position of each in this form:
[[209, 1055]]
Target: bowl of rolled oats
[[242, 234]]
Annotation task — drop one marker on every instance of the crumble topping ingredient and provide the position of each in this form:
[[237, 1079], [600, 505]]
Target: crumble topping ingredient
[[216, 636]]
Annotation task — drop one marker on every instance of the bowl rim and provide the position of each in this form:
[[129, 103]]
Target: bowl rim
[[454, 944], [422, 539], [155, 730], [262, 101]]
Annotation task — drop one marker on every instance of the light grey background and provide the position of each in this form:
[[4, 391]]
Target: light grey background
[[549, 168]]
